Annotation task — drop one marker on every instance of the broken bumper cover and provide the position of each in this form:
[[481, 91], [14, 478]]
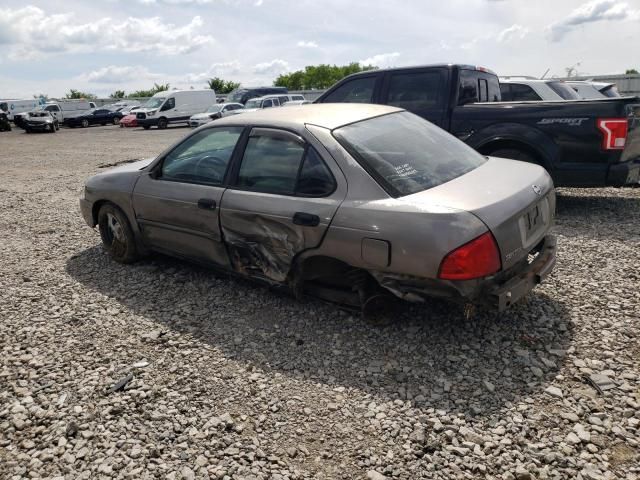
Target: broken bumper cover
[[506, 294]]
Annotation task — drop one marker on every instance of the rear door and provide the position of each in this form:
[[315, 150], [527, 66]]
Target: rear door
[[420, 91], [177, 203], [280, 203]]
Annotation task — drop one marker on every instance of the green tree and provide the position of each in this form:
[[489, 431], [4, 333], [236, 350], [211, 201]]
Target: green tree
[[117, 94], [151, 92], [221, 86], [631, 71], [318, 76], [76, 94]]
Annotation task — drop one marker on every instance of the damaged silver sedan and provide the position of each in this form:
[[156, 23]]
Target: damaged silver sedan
[[352, 203]]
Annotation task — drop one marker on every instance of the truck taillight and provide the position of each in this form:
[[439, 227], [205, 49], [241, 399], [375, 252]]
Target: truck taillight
[[614, 131], [478, 258]]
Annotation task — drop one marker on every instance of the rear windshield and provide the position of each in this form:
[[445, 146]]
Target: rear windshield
[[610, 91], [406, 154], [564, 90]]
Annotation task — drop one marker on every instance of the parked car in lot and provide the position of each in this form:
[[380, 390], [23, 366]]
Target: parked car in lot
[[129, 117], [242, 95], [294, 103], [14, 107], [176, 106], [5, 125], [63, 109], [267, 101], [349, 202], [215, 112], [581, 143], [527, 89], [594, 90], [99, 116], [39, 121]]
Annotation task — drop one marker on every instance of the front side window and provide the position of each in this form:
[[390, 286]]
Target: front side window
[[523, 93], [203, 157], [406, 154], [358, 90], [415, 91], [169, 104], [270, 163]]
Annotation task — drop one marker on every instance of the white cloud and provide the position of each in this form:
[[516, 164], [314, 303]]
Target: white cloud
[[594, 11], [514, 32], [215, 70], [381, 60], [30, 32], [116, 74], [274, 67], [304, 44]]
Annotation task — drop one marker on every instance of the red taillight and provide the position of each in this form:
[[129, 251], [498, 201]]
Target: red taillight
[[478, 258], [614, 131]]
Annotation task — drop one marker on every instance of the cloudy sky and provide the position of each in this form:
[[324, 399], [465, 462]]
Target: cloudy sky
[[101, 46]]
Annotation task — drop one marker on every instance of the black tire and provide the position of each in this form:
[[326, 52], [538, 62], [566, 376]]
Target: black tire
[[116, 233], [52, 128], [27, 130], [116, 120], [513, 154], [146, 127], [162, 123], [85, 123]]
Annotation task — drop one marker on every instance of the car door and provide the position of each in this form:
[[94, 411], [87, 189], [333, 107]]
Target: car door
[[280, 202], [177, 203], [420, 91]]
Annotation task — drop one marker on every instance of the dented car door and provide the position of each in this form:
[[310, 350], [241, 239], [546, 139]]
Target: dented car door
[[281, 201]]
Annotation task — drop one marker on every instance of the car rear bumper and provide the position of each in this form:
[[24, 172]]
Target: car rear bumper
[[624, 174], [87, 212], [505, 294]]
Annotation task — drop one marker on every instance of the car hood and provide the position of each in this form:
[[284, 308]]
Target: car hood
[[501, 193]]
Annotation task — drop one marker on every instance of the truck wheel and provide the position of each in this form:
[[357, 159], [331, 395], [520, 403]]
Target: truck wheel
[[513, 154], [117, 237], [85, 123], [162, 123], [146, 127]]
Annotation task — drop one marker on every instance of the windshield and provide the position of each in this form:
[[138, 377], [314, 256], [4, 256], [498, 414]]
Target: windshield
[[564, 90], [253, 104], [154, 102], [406, 154], [236, 95], [214, 108]]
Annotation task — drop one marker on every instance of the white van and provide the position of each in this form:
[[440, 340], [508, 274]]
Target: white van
[[67, 108], [13, 107], [175, 106]]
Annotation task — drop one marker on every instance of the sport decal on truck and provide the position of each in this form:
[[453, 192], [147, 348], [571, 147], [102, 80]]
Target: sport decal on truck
[[570, 122]]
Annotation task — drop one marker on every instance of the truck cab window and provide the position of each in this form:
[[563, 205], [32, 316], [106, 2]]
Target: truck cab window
[[468, 88]]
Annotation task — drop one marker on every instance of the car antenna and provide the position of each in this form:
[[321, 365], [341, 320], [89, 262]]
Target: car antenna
[[545, 74]]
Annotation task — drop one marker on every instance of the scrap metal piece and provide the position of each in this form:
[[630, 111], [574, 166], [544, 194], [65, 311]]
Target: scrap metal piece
[[120, 384]]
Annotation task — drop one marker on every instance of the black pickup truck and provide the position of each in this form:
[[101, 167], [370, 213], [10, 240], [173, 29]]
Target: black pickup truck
[[582, 143]]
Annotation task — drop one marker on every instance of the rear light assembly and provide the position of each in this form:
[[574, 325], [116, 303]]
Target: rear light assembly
[[476, 259], [614, 131]]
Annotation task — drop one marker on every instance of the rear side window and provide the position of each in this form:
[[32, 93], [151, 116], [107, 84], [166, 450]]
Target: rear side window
[[505, 92], [477, 86], [358, 90], [564, 90], [406, 154], [315, 179], [270, 164], [523, 93], [468, 87], [415, 91]]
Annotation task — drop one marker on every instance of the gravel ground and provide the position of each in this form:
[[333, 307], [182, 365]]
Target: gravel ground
[[229, 379]]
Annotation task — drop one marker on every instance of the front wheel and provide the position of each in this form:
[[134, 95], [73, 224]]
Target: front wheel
[[116, 233], [116, 120], [85, 123], [162, 123]]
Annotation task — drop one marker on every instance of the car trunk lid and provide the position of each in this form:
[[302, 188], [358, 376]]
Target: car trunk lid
[[515, 200]]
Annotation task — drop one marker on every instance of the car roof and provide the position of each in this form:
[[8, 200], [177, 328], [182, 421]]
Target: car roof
[[327, 115]]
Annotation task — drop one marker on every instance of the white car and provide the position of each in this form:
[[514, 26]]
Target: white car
[[174, 106], [268, 101], [528, 89], [294, 103], [214, 112], [594, 90]]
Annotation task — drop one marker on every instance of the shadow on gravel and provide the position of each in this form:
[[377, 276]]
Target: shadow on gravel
[[427, 353]]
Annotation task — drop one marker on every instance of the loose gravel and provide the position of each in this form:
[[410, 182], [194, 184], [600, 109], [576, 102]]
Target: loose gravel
[[165, 370]]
